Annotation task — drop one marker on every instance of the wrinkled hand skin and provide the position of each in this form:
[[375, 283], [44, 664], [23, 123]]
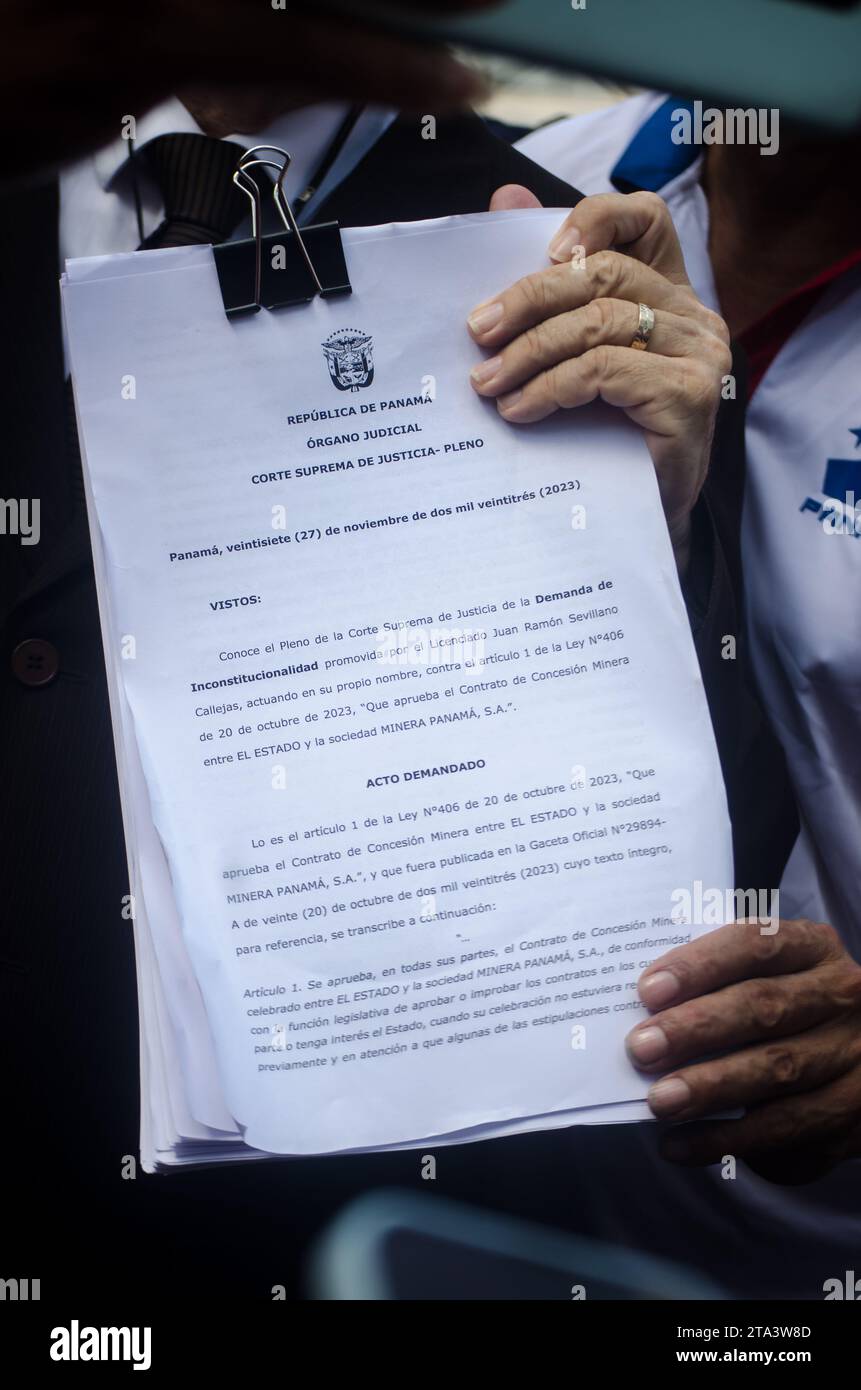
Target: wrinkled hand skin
[[782, 1009], [561, 338]]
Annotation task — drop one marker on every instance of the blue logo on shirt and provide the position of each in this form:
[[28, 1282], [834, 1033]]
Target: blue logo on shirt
[[840, 511]]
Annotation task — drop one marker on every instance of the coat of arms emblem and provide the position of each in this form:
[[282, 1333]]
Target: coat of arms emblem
[[350, 358]]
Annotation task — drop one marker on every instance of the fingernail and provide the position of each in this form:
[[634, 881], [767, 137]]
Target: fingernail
[[510, 401], [647, 1044], [563, 244], [485, 317], [485, 370], [666, 1097], [658, 989]]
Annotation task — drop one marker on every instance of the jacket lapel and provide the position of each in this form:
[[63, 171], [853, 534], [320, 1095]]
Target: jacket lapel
[[405, 177]]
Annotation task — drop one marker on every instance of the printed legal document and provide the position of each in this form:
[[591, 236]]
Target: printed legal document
[[412, 742]]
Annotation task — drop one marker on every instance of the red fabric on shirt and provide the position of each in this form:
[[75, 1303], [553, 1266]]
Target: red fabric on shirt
[[764, 339]]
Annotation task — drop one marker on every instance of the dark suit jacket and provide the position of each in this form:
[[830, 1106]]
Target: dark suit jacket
[[67, 984]]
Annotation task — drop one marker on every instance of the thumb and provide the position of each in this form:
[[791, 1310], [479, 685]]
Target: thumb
[[637, 223], [513, 195]]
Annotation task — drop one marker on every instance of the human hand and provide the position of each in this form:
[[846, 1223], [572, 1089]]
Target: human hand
[[783, 1010], [562, 337], [72, 74]]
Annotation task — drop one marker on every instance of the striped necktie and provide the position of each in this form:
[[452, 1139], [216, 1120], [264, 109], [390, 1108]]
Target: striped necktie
[[194, 176]]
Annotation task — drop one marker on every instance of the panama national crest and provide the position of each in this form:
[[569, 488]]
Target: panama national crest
[[350, 357], [840, 511]]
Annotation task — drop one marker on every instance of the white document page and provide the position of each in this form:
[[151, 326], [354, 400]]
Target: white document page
[[412, 689]]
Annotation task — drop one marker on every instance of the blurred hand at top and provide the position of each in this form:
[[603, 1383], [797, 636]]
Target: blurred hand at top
[[71, 73]]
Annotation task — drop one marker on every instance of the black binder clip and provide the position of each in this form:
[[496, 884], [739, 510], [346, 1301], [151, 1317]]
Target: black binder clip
[[282, 268]]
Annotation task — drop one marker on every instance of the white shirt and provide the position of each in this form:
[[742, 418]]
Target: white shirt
[[97, 210], [803, 615]]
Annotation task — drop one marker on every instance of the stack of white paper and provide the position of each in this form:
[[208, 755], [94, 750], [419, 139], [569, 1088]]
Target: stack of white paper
[[412, 743]]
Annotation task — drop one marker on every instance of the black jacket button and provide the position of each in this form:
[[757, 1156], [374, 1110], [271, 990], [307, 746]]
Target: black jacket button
[[35, 662]]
